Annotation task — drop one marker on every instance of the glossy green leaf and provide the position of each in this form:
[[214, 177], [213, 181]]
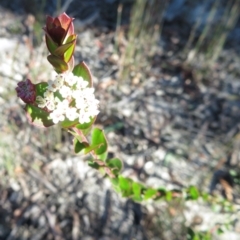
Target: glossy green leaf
[[115, 164], [66, 51], [69, 53], [149, 193], [37, 116], [71, 64], [124, 183], [99, 141], [59, 65], [82, 70], [103, 156], [78, 145], [90, 148], [51, 45], [93, 164]]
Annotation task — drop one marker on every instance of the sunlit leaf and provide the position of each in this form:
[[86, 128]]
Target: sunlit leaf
[[137, 187], [149, 193], [115, 164], [193, 192], [41, 88], [37, 116], [67, 123], [66, 50], [168, 196], [103, 156], [82, 70], [99, 141], [125, 186]]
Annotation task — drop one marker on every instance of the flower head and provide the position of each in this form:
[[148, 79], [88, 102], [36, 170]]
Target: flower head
[[71, 99], [26, 91]]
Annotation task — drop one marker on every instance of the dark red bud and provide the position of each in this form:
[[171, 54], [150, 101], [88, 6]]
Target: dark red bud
[[59, 28], [26, 91]]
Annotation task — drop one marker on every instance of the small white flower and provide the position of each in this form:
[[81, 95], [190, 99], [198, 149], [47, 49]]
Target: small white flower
[[71, 113], [53, 85], [49, 95], [93, 110], [81, 83], [59, 80], [57, 116], [65, 91], [50, 105], [41, 102], [76, 94], [84, 117], [70, 79], [80, 103], [62, 106]]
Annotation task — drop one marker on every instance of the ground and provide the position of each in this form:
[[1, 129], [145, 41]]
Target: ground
[[174, 125]]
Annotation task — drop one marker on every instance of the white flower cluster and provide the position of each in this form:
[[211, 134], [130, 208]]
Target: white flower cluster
[[69, 96]]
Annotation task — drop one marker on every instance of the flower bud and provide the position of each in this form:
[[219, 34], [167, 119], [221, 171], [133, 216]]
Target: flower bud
[[59, 29], [61, 41], [26, 91]]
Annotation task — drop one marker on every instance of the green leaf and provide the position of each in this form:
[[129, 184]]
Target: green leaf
[[125, 186], [115, 164], [99, 141], [93, 164], [41, 88], [149, 193], [115, 183], [59, 65], [168, 196], [68, 54], [193, 191], [137, 188], [66, 51], [79, 146], [103, 156], [51, 45], [190, 234], [82, 70], [220, 231], [68, 124], [71, 64], [205, 196], [37, 116], [90, 148]]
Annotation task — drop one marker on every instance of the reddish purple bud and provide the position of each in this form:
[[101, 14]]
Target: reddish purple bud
[[59, 28], [26, 91]]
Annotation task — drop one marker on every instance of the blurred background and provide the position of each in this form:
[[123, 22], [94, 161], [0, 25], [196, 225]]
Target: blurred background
[[166, 73]]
